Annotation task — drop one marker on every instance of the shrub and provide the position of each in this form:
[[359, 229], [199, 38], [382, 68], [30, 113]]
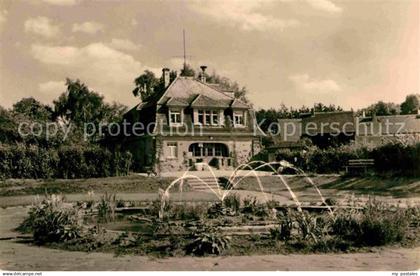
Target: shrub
[[284, 231], [232, 201], [347, 225], [188, 212], [375, 225], [21, 161], [224, 183], [207, 241], [250, 205], [106, 208], [50, 221], [311, 227], [398, 158]]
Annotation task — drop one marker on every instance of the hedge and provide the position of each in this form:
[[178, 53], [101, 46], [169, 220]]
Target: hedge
[[395, 158], [20, 161]]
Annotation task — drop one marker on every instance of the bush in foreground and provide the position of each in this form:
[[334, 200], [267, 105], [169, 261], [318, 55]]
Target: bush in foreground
[[51, 221]]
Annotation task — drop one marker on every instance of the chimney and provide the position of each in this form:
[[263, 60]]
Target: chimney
[[165, 76], [203, 73], [363, 114]]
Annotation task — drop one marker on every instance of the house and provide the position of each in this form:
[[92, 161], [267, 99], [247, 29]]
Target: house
[[193, 122], [335, 128], [322, 128], [382, 129]]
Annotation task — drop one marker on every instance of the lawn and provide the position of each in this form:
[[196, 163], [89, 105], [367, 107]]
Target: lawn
[[373, 185], [122, 184]]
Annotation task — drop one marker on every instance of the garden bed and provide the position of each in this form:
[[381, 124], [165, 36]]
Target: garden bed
[[232, 227]]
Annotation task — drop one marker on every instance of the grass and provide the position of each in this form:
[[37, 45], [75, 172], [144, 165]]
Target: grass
[[121, 184], [375, 185]]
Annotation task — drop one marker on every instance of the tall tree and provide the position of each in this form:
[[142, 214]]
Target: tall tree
[[32, 109], [381, 109], [8, 127], [79, 105], [320, 107], [148, 86], [411, 104], [228, 85]]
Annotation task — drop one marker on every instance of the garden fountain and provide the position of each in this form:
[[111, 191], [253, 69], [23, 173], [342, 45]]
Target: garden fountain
[[221, 194]]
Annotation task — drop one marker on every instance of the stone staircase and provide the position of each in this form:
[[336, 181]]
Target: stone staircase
[[198, 185]]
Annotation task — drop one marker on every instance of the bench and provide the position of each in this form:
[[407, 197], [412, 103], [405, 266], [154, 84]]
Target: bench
[[359, 164]]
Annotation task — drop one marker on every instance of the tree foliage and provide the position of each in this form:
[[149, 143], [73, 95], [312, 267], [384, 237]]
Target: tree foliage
[[265, 117], [411, 104], [381, 109], [8, 127], [33, 109], [79, 105], [187, 71], [149, 87]]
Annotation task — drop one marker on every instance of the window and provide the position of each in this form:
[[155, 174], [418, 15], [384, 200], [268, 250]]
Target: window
[[175, 117], [208, 149], [238, 118], [214, 118], [218, 150], [201, 117], [208, 117], [172, 149]]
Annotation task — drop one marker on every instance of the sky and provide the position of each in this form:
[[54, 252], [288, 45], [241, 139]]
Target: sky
[[293, 52]]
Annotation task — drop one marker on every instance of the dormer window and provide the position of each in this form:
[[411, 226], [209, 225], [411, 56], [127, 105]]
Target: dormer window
[[208, 117], [239, 118], [175, 117]]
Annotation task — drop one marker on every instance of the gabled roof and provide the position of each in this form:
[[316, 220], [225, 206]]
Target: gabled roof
[[177, 102], [204, 101], [238, 104], [191, 91], [186, 87]]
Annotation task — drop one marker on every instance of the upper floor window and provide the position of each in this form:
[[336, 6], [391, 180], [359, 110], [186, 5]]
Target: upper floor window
[[175, 117], [239, 118], [208, 117]]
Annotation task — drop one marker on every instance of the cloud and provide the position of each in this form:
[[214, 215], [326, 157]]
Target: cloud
[[52, 87], [41, 26], [89, 27], [51, 90], [124, 44], [61, 2], [305, 83], [101, 67], [325, 5], [134, 22], [242, 14], [3, 16]]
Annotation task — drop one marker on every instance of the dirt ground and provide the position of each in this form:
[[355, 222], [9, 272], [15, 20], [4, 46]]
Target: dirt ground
[[15, 255]]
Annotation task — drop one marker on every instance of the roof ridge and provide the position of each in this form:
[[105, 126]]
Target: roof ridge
[[206, 84], [167, 89], [196, 98]]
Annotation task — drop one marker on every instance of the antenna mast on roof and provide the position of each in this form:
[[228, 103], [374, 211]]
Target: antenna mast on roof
[[185, 55]]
